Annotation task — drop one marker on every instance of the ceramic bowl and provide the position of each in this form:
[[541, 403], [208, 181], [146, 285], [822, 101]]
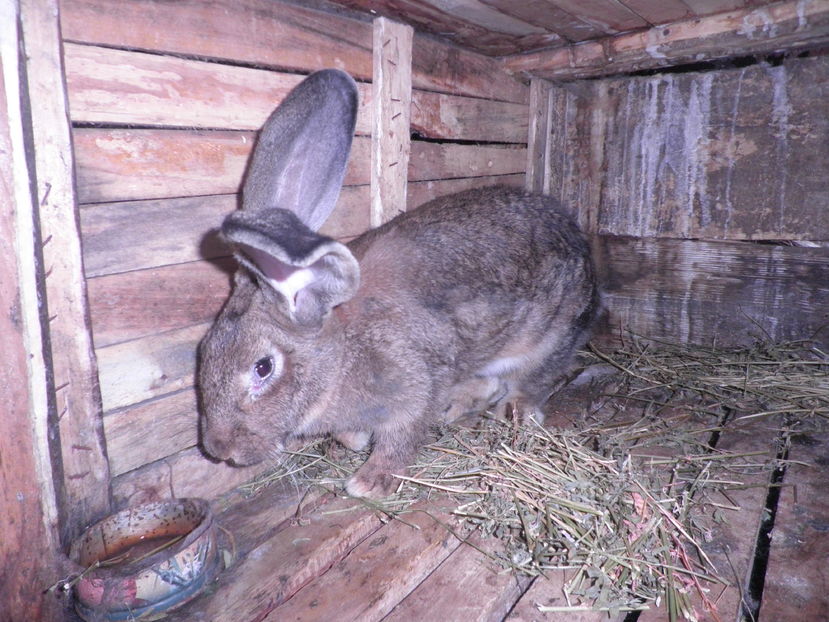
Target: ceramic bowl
[[145, 560]]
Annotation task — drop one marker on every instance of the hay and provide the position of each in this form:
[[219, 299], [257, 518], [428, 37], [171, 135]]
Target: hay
[[624, 506]]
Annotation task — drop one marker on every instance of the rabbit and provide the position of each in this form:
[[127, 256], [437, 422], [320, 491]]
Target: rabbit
[[470, 300]]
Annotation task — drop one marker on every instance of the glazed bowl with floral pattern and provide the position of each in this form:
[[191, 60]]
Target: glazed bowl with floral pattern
[[145, 560]]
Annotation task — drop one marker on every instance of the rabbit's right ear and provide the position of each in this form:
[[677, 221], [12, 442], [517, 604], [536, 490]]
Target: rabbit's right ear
[[304, 273], [301, 154]]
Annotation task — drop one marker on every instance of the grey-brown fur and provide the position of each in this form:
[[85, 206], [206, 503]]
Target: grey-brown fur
[[470, 299]]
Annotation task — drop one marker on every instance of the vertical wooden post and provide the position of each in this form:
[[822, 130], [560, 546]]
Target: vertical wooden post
[[78, 398], [29, 546], [538, 141], [390, 136]]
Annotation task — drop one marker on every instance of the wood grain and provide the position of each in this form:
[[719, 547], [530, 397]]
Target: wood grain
[[784, 25], [726, 293], [391, 134], [377, 574], [145, 302], [797, 575], [85, 468], [29, 537], [468, 585], [278, 35], [716, 155], [283, 564], [145, 368], [118, 165]]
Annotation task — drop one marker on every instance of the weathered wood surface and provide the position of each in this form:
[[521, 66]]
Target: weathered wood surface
[[377, 574], [726, 154], [784, 25], [151, 430], [279, 567], [85, 470], [141, 369], [278, 35], [467, 585], [726, 293], [186, 474], [539, 139], [391, 132], [29, 538], [118, 165], [797, 574], [125, 87], [145, 302]]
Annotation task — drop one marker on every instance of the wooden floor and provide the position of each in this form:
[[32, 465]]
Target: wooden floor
[[313, 555]]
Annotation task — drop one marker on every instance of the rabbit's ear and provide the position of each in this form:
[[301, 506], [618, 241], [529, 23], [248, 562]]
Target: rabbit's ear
[[308, 273], [301, 154]]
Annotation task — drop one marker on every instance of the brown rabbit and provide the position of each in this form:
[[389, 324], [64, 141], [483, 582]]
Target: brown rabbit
[[466, 301]]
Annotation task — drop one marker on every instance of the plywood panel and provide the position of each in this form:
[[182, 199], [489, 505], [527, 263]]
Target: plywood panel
[[705, 292], [422, 191]]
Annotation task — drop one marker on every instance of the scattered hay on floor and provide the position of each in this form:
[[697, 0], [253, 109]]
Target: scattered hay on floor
[[626, 522]]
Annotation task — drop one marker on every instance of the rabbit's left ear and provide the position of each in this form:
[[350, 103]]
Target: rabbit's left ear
[[307, 274], [301, 154]]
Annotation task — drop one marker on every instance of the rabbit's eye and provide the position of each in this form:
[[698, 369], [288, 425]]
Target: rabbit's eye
[[263, 367]]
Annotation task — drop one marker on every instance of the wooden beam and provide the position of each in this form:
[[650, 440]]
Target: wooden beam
[[29, 542], [85, 467], [795, 24], [390, 136], [538, 139]]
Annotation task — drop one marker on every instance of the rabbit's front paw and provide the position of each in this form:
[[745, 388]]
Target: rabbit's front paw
[[371, 484]]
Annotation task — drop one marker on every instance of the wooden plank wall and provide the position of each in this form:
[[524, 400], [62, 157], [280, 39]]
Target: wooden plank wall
[[691, 181], [165, 99]]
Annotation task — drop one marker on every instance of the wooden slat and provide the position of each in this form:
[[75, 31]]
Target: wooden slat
[[117, 165], [173, 419], [606, 15], [422, 191], [797, 576], [279, 567], [706, 292], [543, 13], [186, 474], [430, 161], [467, 586], [123, 87], [134, 235], [435, 115], [719, 155], [83, 453], [278, 35], [730, 541], [786, 25], [145, 302], [539, 139], [142, 369], [377, 574], [29, 539], [155, 164], [391, 135]]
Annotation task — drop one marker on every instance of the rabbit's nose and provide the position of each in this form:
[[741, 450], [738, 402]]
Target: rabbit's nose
[[217, 446]]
